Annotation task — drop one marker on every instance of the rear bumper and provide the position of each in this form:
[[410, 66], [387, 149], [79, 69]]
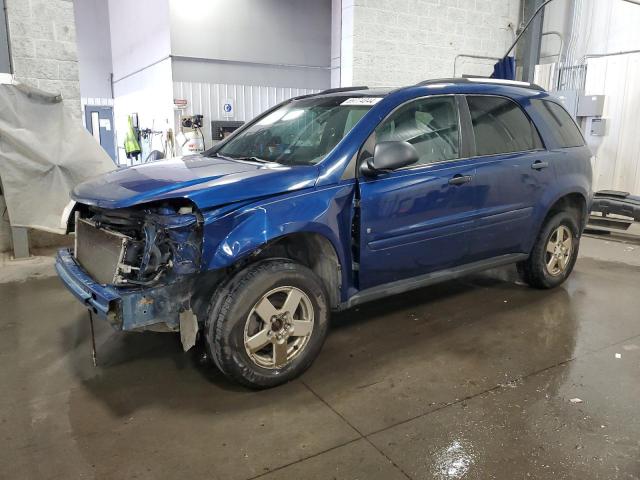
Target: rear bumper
[[104, 301], [145, 308], [625, 206]]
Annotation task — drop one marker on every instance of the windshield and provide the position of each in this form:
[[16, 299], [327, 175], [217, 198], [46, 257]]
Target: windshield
[[302, 132]]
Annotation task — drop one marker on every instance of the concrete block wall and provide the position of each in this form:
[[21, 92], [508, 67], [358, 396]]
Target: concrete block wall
[[400, 42], [42, 35]]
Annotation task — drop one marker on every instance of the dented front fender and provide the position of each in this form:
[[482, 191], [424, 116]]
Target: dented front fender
[[230, 237]]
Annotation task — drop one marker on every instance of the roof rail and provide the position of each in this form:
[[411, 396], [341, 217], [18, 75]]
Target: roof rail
[[330, 90], [498, 81], [343, 89]]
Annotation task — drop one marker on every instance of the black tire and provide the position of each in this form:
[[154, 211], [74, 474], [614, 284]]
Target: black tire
[[534, 270], [229, 312]]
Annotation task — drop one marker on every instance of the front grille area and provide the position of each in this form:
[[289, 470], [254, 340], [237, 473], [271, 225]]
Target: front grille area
[[100, 251]]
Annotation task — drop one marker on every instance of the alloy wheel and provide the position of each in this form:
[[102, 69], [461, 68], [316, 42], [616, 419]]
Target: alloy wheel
[[559, 250], [278, 327]]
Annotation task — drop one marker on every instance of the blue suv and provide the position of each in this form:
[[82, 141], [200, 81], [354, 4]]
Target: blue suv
[[327, 201]]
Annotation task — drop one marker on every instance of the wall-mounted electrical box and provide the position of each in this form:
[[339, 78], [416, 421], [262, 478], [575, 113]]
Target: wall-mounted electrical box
[[598, 127], [590, 106], [569, 99], [221, 129]]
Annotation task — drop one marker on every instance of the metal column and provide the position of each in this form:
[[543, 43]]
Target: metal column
[[530, 55], [20, 242]]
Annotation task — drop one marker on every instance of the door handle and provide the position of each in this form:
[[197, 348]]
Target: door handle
[[539, 165], [460, 179]]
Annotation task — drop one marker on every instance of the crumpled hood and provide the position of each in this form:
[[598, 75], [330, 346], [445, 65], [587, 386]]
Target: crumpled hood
[[207, 181]]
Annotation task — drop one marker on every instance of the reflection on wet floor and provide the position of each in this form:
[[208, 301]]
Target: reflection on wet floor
[[468, 379], [453, 461]]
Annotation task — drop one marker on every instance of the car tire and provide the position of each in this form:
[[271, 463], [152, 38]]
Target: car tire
[[268, 323], [550, 263]]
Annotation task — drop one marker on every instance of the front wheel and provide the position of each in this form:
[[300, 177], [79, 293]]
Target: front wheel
[[268, 324], [554, 253]]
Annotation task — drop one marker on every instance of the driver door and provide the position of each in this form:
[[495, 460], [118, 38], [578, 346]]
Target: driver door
[[414, 220]]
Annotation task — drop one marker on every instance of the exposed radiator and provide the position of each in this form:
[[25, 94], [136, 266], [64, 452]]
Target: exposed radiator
[[100, 252]]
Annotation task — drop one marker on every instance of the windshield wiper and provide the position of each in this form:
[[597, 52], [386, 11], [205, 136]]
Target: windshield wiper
[[252, 159]]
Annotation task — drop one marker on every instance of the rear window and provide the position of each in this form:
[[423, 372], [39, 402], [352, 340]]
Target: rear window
[[563, 129], [500, 126]]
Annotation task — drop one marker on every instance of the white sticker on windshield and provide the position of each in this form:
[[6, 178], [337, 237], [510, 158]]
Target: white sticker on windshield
[[361, 101]]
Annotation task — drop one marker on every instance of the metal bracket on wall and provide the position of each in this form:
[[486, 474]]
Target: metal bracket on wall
[[559, 35], [479, 57]]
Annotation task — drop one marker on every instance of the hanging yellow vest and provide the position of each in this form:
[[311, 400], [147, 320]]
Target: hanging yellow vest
[[131, 145]]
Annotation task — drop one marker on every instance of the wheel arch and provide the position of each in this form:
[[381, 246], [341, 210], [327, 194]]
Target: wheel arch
[[312, 250], [568, 199], [573, 201]]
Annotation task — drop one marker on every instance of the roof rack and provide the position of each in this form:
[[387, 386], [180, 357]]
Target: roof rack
[[498, 81], [343, 89]]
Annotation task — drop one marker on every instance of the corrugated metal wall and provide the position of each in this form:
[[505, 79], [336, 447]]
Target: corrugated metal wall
[[617, 163], [249, 101]]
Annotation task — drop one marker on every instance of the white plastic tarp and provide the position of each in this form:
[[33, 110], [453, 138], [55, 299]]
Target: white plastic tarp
[[44, 153]]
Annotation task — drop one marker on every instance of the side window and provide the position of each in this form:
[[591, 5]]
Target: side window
[[429, 124], [500, 126], [562, 127]]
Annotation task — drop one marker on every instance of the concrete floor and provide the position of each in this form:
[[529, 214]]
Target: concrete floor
[[468, 379]]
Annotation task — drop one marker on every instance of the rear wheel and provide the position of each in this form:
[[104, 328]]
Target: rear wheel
[[268, 324], [554, 253]]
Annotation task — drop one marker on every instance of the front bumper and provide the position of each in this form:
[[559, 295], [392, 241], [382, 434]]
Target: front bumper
[[153, 308], [103, 300]]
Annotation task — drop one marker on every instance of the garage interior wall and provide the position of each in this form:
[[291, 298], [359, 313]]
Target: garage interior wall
[[249, 100], [617, 153], [94, 48], [283, 43], [140, 49], [405, 41], [159, 53], [594, 34], [614, 27], [258, 54], [42, 39]]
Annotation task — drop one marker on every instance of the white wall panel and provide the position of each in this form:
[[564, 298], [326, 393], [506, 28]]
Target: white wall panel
[[277, 32], [140, 34], [94, 47], [147, 93], [249, 100], [617, 163]]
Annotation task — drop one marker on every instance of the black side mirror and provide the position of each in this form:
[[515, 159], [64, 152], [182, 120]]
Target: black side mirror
[[389, 156]]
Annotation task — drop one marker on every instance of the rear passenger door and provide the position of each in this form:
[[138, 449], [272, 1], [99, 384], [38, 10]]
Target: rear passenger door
[[513, 170]]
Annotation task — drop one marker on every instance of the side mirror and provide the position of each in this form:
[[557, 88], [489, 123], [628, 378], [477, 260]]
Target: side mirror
[[389, 156]]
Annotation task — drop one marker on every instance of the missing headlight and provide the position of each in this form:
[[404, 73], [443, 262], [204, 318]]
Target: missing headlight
[[138, 246]]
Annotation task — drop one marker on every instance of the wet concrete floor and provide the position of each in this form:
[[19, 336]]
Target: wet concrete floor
[[477, 378]]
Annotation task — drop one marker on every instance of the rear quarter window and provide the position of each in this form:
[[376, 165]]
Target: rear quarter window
[[562, 128]]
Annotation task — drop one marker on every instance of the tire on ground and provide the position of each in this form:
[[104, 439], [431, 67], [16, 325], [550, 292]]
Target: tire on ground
[[229, 311], [534, 270]]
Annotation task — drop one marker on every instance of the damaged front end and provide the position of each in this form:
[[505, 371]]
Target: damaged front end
[[136, 267]]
